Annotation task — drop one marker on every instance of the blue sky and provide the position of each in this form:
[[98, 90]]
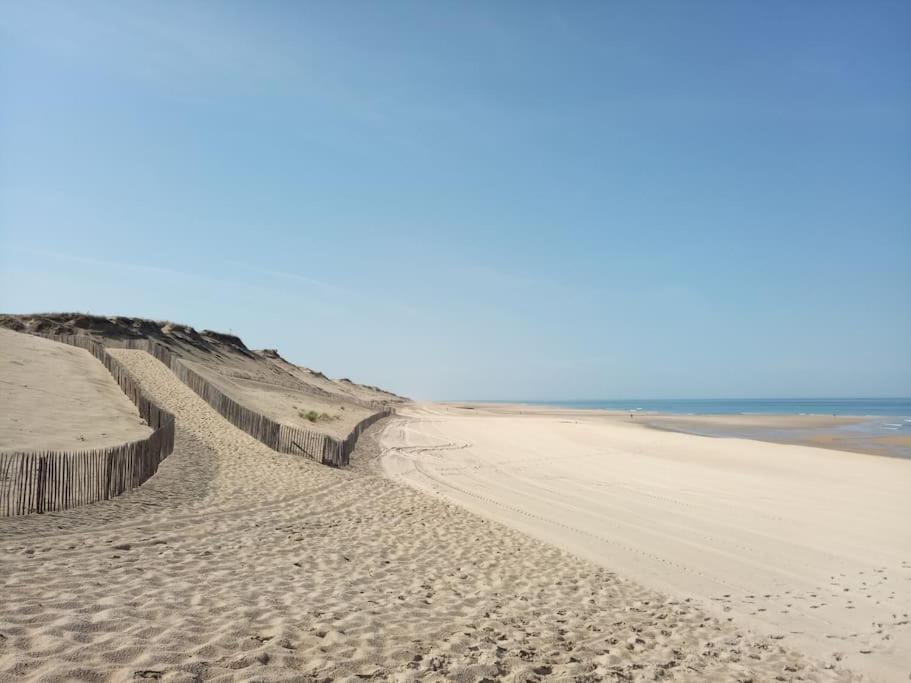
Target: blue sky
[[503, 200]]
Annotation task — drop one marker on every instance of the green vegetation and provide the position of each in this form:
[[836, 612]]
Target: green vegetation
[[314, 416]]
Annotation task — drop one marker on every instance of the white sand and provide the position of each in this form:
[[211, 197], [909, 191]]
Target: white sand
[[54, 396], [237, 563], [810, 545]]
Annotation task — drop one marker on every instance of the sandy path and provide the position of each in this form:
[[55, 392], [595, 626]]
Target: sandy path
[[237, 563], [810, 545], [54, 396]]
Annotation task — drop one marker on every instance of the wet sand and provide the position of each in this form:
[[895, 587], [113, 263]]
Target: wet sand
[[856, 434]]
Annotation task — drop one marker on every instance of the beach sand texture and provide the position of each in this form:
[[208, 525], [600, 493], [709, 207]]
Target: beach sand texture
[[237, 563], [807, 545], [58, 397]]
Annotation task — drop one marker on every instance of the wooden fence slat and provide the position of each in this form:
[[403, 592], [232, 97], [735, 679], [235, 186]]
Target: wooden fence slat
[[82, 477], [58, 480]]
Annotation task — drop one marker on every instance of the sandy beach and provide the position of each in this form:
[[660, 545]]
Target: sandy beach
[[431, 342], [805, 545], [237, 563]]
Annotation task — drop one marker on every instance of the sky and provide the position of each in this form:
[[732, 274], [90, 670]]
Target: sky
[[475, 200]]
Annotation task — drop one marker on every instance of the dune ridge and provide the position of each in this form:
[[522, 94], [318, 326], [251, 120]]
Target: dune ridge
[[256, 391], [261, 380]]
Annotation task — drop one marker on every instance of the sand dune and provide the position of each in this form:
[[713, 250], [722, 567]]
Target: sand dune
[[806, 545], [260, 380], [237, 563], [54, 396]]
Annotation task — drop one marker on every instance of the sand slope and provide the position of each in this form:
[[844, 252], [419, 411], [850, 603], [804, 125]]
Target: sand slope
[[236, 563], [282, 401], [809, 545], [58, 397], [260, 380]]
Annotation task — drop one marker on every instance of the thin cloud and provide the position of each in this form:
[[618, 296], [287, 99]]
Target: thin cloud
[[293, 276], [342, 292], [122, 265]]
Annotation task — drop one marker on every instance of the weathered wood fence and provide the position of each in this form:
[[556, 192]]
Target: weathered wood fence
[[57, 480], [282, 438], [321, 447]]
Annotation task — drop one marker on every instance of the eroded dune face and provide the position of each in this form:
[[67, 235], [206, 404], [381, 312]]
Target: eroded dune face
[[235, 562], [58, 397]]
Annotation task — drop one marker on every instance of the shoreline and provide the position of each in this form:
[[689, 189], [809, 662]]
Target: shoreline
[[846, 433], [898, 446]]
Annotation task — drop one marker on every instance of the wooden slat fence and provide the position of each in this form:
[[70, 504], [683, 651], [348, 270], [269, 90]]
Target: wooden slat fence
[[321, 447], [282, 438], [56, 480]]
